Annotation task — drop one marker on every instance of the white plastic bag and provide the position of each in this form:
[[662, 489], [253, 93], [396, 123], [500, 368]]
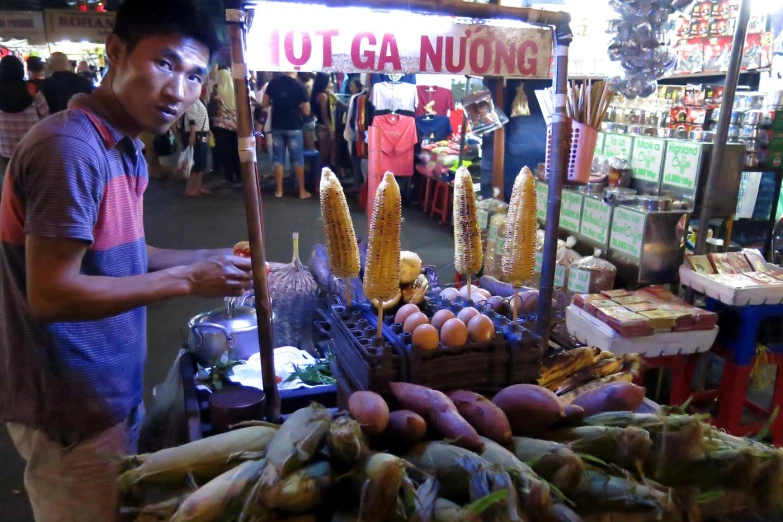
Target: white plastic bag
[[185, 163]]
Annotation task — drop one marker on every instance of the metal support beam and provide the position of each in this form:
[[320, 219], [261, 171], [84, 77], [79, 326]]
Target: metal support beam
[[557, 174]]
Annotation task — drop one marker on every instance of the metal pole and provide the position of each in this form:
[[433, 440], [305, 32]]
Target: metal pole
[[557, 174], [712, 187], [235, 17]]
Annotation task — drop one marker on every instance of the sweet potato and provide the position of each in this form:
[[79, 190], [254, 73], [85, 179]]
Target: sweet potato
[[615, 396], [530, 409], [574, 416], [370, 410], [439, 412], [406, 427], [488, 419]]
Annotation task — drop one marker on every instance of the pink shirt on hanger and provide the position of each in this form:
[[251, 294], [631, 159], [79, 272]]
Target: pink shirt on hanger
[[399, 138]]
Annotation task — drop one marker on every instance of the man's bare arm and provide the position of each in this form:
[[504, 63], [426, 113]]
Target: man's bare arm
[[163, 258]]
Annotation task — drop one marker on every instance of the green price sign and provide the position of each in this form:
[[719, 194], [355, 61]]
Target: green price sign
[[599, 144], [618, 145], [596, 216], [681, 166], [579, 281], [570, 211], [647, 158], [542, 190], [627, 232], [483, 218], [560, 281]]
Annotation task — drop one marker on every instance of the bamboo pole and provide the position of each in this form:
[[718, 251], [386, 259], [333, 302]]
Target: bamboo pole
[[253, 207]]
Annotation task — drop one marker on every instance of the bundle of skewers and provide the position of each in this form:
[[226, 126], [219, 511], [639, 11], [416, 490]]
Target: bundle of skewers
[[586, 103]]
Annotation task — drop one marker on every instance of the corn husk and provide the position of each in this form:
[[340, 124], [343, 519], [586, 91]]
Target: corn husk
[[296, 442], [553, 461], [419, 502], [768, 489], [605, 493], [222, 496], [201, 460], [346, 440], [509, 508], [155, 512], [303, 490], [461, 473], [448, 511], [625, 447], [534, 494], [726, 468], [378, 481]]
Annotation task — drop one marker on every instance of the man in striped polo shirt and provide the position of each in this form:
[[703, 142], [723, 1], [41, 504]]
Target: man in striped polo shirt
[[76, 273]]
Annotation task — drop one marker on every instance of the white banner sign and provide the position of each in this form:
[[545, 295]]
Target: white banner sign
[[316, 38], [22, 25], [78, 26]]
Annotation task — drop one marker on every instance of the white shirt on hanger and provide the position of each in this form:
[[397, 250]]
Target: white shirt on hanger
[[388, 96]]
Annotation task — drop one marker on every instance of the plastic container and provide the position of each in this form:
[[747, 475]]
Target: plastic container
[[581, 143], [591, 274]]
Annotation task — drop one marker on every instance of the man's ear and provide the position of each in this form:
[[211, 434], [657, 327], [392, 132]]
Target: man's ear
[[115, 49]]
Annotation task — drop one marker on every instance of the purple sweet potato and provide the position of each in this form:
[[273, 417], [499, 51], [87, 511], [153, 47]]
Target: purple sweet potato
[[406, 427], [370, 410], [530, 409], [574, 416], [488, 419], [439, 412], [615, 396]]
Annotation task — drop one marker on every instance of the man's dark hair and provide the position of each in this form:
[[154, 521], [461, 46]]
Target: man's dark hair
[[35, 64], [138, 19]]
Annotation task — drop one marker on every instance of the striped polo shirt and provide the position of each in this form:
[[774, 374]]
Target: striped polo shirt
[[74, 175]]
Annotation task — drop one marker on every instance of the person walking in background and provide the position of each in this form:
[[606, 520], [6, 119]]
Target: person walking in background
[[224, 127], [196, 136], [36, 72], [323, 108], [289, 104], [63, 84], [19, 110]]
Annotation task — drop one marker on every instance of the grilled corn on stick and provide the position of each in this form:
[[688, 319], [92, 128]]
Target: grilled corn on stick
[[468, 256], [519, 249], [382, 273], [338, 229]]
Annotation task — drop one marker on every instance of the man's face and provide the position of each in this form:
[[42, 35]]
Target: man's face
[[157, 81]]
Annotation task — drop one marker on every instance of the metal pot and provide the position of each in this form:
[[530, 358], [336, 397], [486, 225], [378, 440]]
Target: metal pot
[[226, 329]]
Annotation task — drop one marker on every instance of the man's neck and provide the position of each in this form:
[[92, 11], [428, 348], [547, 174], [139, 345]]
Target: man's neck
[[116, 114]]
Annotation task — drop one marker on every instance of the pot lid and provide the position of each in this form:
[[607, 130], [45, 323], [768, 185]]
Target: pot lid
[[241, 318]]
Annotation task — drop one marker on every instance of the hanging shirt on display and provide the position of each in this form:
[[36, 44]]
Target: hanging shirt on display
[[433, 127], [456, 121], [389, 96], [397, 142], [434, 100]]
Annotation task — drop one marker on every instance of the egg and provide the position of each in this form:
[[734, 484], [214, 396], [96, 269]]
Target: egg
[[404, 312], [440, 318], [463, 292], [454, 333], [481, 329], [425, 336], [449, 293], [413, 321], [484, 292], [466, 314]]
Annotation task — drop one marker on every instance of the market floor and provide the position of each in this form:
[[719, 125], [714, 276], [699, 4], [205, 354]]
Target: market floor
[[173, 221]]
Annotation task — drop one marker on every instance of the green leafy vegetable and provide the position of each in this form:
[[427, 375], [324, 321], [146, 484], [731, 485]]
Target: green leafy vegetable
[[317, 374]]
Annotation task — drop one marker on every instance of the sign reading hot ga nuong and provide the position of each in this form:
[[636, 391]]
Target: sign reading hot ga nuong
[[392, 42]]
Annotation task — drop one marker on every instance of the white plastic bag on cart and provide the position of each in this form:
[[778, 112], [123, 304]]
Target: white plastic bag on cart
[[165, 424]]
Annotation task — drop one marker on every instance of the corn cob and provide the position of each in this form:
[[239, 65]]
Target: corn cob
[[346, 440], [602, 492], [304, 490], [622, 446], [378, 481], [468, 256], [451, 466], [534, 494], [447, 511], [553, 461], [221, 496], [520, 245], [338, 229], [202, 460], [382, 273]]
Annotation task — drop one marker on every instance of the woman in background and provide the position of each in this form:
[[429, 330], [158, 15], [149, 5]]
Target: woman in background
[[322, 107], [19, 110], [224, 127]]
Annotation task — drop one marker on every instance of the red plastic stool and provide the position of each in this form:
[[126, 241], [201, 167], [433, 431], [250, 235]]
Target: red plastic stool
[[682, 375], [429, 183], [363, 196], [441, 201]]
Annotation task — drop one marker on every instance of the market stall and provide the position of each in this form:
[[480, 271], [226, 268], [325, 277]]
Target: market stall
[[79, 34], [22, 33]]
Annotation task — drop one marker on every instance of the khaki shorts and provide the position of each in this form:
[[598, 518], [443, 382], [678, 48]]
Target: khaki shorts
[[76, 483]]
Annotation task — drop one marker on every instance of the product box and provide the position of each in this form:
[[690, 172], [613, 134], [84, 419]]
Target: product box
[[700, 28], [690, 56], [699, 264], [717, 53], [673, 93], [694, 95], [721, 28], [734, 280], [757, 24], [729, 263], [692, 115], [713, 95]]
